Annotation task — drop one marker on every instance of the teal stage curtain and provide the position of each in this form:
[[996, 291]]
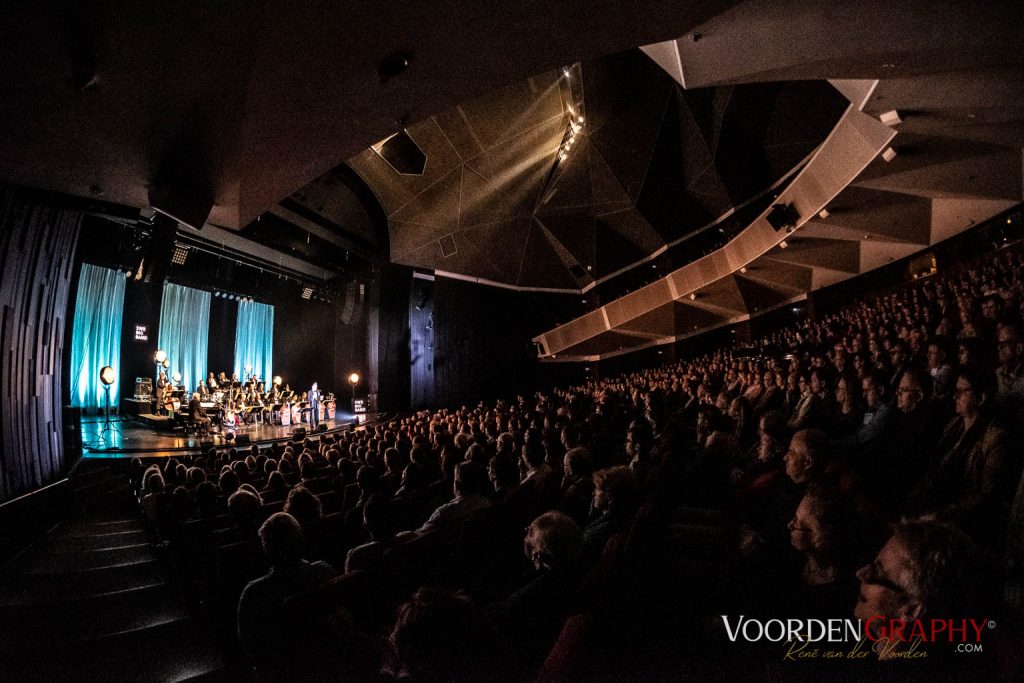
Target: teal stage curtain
[[254, 340], [96, 336], [184, 332]]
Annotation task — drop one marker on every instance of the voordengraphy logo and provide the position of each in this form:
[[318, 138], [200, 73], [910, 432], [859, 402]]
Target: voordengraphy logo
[[848, 630]]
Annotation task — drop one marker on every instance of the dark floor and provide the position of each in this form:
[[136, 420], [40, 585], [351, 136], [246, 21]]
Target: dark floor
[[93, 602]]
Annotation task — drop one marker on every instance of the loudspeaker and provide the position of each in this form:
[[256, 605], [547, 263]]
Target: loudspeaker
[[783, 216], [298, 434], [321, 427], [242, 440]]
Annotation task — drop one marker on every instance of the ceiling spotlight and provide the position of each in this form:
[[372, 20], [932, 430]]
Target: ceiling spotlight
[[823, 214], [562, 156], [565, 72], [307, 293], [743, 269], [693, 296], [891, 118], [783, 244], [580, 120], [889, 154]]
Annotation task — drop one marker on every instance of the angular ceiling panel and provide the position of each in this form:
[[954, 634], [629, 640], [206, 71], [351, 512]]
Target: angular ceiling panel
[[542, 266]]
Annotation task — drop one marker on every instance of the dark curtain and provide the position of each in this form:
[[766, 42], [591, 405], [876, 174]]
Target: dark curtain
[[391, 347], [37, 246], [420, 353], [223, 324]]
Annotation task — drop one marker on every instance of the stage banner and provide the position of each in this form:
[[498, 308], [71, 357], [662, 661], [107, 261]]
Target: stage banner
[[254, 341], [96, 336], [184, 332]]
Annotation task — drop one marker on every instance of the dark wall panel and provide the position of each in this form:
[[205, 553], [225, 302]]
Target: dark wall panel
[[37, 246], [223, 324], [422, 390], [141, 307], [390, 373]]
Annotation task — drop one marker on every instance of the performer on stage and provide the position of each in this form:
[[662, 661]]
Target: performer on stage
[[211, 383], [198, 415], [314, 408]]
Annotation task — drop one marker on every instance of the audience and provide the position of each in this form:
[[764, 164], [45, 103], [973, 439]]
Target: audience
[[747, 481]]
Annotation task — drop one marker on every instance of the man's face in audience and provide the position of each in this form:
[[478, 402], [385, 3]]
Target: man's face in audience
[[805, 529], [798, 459], [967, 400], [872, 394], [816, 384], [990, 309], [897, 357], [909, 394], [884, 582], [935, 356], [1009, 346]]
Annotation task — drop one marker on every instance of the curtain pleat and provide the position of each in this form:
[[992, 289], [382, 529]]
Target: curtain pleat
[[184, 332], [254, 341], [96, 336]]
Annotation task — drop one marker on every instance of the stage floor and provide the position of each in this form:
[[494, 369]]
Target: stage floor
[[133, 438]]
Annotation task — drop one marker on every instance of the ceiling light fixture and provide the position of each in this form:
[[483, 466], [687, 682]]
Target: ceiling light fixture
[[783, 244]]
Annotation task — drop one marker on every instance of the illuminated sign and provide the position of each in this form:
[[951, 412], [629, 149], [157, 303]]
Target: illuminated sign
[[140, 333]]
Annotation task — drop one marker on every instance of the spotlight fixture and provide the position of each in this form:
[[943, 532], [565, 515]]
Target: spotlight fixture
[[353, 379], [176, 377], [277, 380], [565, 72], [166, 363], [891, 118], [823, 214], [180, 255], [307, 293], [743, 269], [693, 296], [107, 375], [783, 244], [160, 357]]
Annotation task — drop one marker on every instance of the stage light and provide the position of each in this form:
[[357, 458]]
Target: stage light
[[167, 363], [353, 379], [693, 296], [160, 356], [176, 377], [216, 294], [307, 292], [180, 255], [107, 375], [783, 244], [277, 380], [743, 269]]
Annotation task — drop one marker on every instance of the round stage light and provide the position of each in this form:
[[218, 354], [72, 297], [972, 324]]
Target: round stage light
[[107, 375], [277, 380], [353, 379], [176, 377], [166, 363], [160, 356]]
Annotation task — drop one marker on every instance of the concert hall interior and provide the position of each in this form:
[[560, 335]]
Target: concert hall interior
[[511, 341]]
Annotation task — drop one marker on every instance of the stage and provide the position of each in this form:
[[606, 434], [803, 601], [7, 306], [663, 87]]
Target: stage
[[132, 438]]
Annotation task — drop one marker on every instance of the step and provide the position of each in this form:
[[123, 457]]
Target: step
[[55, 561], [54, 587], [25, 626], [100, 486], [101, 541], [98, 525], [172, 650]]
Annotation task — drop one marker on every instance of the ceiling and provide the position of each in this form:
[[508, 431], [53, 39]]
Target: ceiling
[[257, 106], [567, 177]]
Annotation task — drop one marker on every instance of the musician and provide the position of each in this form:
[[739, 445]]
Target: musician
[[198, 415], [165, 403], [204, 393], [211, 383], [314, 407]]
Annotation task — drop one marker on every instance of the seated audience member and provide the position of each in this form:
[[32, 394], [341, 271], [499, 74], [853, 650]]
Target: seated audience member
[[244, 509], [849, 412], [824, 530], [942, 373], [442, 636], [975, 475], [377, 520], [504, 476], [877, 415], [305, 507], [394, 464], [538, 492], [577, 484], [530, 619], [276, 490], [613, 507], [1010, 371], [262, 626], [807, 457], [470, 488]]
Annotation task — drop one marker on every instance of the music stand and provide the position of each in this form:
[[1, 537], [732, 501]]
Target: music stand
[[107, 378]]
